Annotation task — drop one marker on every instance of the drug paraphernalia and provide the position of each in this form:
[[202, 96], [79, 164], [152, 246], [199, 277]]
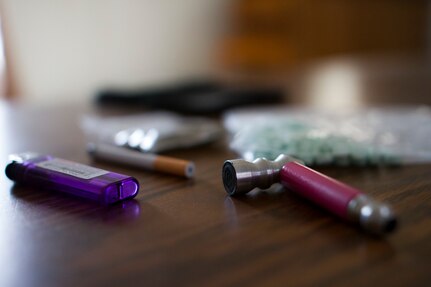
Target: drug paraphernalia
[[146, 161], [152, 132], [53, 173], [240, 177]]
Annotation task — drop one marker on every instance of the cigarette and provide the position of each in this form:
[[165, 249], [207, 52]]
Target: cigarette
[[142, 160]]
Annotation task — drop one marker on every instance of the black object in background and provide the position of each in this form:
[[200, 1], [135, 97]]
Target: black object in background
[[200, 97]]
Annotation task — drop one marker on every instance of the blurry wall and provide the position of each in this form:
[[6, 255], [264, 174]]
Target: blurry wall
[[274, 34], [64, 50]]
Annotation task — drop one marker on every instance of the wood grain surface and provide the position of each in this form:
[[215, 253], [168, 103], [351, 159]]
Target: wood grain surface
[[181, 232]]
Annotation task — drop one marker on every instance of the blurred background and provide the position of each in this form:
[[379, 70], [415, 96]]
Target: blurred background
[[65, 51]]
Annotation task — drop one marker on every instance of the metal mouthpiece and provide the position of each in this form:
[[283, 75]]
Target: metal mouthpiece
[[375, 217], [241, 176]]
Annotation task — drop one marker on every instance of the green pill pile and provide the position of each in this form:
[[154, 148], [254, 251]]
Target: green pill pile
[[312, 145]]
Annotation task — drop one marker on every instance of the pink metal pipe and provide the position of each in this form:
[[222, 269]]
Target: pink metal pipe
[[319, 188], [240, 176]]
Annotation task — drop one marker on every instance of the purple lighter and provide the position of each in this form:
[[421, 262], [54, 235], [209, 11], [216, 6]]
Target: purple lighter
[[81, 180]]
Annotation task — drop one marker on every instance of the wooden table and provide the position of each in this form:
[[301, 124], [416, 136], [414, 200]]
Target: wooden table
[[189, 233]]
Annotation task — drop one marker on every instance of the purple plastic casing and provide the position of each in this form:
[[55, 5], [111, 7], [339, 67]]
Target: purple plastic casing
[[105, 186]]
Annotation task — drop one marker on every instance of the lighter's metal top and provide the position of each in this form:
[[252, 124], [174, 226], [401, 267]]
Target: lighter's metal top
[[241, 176]]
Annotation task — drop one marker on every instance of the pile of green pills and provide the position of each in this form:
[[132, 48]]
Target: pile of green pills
[[312, 145]]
